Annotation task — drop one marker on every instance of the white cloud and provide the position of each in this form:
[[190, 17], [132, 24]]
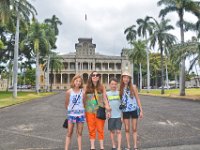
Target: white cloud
[[106, 21]]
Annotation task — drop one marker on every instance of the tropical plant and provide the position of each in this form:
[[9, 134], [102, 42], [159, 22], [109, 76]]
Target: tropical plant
[[22, 9], [131, 34], [163, 38], [37, 39], [180, 6], [138, 55], [54, 22], [56, 65], [145, 29]]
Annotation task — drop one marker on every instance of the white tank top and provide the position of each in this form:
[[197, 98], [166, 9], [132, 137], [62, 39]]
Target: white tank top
[[75, 107]]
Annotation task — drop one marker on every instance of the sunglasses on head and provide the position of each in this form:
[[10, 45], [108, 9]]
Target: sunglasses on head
[[95, 75]]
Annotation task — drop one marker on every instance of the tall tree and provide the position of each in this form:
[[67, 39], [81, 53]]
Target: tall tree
[[145, 29], [22, 9], [56, 65], [131, 35], [180, 7], [54, 22], [137, 55], [40, 44], [163, 38]]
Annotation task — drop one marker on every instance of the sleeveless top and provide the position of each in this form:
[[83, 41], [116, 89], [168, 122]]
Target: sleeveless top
[[75, 107], [91, 103], [114, 101], [131, 103]]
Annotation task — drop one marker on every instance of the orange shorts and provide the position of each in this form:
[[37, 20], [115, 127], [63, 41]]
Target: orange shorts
[[94, 124]]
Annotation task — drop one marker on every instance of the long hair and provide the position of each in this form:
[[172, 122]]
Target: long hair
[[90, 87], [74, 78], [122, 85]]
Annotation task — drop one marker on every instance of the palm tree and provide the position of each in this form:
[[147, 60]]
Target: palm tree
[[54, 22], [4, 11], [55, 65], [137, 55], [163, 38], [180, 6], [155, 67], [131, 35], [22, 9], [145, 28], [40, 44]]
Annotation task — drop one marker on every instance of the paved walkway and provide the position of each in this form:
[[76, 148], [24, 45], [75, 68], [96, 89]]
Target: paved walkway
[[37, 125]]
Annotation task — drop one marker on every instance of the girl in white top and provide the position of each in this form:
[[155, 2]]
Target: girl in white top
[[75, 110]]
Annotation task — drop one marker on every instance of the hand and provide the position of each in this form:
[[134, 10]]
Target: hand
[[141, 114], [108, 115]]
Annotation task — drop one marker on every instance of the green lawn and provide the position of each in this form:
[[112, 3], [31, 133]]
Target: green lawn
[[7, 100], [193, 93]]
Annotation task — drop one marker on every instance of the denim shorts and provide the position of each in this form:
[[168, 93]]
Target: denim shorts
[[76, 119], [114, 124], [130, 114]]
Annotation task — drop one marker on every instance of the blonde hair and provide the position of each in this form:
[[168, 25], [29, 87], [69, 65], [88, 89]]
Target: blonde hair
[[74, 78]]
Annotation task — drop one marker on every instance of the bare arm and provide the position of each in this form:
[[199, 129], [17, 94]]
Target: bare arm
[[105, 98], [138, 99], [67, 98], [84, 97]]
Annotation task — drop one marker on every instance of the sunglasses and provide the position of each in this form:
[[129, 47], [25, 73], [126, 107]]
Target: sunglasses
[[95, 75]]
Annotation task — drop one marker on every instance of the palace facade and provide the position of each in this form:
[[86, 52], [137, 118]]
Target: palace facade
[[85, 60]]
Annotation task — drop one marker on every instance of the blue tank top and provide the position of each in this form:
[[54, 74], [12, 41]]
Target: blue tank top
[[75, 107], [131, 103]]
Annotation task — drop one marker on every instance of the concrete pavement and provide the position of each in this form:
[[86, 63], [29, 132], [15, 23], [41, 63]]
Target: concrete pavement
[[168, 124]]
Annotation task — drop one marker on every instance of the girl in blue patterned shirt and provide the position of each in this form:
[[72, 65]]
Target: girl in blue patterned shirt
[[132, 108]]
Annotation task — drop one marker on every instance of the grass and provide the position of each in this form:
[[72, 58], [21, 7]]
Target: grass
[[6, 98], [193, 93]]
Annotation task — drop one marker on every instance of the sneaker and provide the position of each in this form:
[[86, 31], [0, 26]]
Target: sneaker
[[114, 148]]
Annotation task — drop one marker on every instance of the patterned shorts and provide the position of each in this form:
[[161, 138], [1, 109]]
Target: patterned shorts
[[76, 119]]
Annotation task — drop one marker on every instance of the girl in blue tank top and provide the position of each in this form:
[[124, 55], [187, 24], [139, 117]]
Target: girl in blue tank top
[[130, 106], [75, 110]]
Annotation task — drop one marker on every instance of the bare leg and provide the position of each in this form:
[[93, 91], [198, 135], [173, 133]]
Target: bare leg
[[69, 135], [112, 134], [101, 144], [119, 139], [127, 130], [92, 143], [79, 135], [134, 128]]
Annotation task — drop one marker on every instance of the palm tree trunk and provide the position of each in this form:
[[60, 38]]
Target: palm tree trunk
[[182, 72], [167, 79], [15, 66], [37, 73], [140, 76], [48, 63], [148, 71], [139, 81], [133, 74], [51, 76], [176, 81], [162, 70]]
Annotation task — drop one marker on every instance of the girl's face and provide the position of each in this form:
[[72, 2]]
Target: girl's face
[[95, 77], [126, 79], [113, 86], [77, 82]]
